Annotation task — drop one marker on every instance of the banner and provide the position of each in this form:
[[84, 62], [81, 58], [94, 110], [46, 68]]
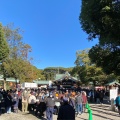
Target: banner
[[113, 93]]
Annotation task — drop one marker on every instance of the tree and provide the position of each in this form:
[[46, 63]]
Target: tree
[[4, 52], [100, 19], [106, 58], [17, 65], [82, 58], [4, 48], [80, 72], [87, 71], [50, 72]]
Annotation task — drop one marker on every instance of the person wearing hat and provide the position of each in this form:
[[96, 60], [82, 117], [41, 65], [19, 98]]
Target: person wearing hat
[[50, 103], [66, 111]]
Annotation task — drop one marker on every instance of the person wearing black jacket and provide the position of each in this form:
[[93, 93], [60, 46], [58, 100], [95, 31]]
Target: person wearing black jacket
[[8, 102], [1, 97], [66, 111]]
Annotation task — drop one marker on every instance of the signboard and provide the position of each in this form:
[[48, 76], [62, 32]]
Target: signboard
[[113, 93], [67, 82], [29, 85], [26, 85], [33, 85]]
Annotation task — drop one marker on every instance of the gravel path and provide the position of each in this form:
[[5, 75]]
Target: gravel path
[[18, 116], [99, 113]]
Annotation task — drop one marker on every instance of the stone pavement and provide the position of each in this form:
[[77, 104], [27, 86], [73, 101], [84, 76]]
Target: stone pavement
[[99, 113]]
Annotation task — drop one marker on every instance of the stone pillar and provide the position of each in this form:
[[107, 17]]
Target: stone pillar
[[112, 105]]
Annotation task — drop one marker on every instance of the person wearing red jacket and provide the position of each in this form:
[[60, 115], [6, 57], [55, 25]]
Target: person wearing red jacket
[[84, 97]]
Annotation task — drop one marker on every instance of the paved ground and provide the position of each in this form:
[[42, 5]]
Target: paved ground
[[99, 113]]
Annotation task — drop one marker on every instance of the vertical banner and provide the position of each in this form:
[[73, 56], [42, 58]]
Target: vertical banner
[[50, 83], [113, 94]]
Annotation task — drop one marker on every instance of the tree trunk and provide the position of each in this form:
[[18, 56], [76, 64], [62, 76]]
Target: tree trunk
[[94, 83], [4, 83], [16, 84]]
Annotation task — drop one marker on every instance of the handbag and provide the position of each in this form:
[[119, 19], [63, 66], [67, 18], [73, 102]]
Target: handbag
[[72, 103]]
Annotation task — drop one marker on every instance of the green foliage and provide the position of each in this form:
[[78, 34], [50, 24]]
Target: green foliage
[[107, 58], [4, 49], [88, 72], [17, 64], [81, 73], [101, 19], [18, 49], [82, 58], [50, 72]]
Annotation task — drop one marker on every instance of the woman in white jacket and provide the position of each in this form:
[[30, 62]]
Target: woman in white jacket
[[31, 101]]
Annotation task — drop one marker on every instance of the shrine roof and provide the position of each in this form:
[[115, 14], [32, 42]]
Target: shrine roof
[[60, 77], [112, 83], [41, 82], [8, 79]]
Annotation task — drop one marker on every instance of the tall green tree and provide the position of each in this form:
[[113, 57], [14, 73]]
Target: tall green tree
[[4, 52], [82, 58], [4, 48], [106, 58], [87, 71], [17, 64], [50, 72], [101, 19]]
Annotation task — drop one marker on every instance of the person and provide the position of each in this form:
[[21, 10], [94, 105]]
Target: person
[[66, 111], [84, 97], [41, 106], [57, 105], [72, 101], [1, 98], [50, 103], [25, 97], [101, 96], [79, 101], [117, 102], [31, 101], [20, 99], [8, 102], [16, 102], [97, 97]]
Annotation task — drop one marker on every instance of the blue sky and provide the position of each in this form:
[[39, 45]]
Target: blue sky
[[51, 28]]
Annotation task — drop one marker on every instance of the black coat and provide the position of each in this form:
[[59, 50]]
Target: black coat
[[8, 101], [66, 112], [1, 98]]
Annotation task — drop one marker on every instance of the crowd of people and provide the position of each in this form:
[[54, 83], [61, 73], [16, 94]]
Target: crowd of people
[[45, 103]]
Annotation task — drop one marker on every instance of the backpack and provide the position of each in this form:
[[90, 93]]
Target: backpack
[[117, 101]]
